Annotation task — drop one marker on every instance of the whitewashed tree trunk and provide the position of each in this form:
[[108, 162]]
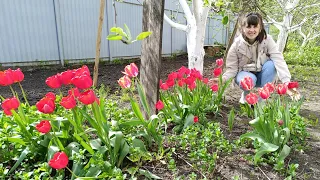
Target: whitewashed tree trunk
[[195, 31], [284, 32]]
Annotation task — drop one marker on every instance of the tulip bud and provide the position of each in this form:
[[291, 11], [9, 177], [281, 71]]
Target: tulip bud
[[280, 122]]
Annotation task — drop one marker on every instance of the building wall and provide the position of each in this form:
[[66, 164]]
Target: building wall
[[59, 31]]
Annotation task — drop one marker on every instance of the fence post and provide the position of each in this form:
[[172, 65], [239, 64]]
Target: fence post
[[57, 18]]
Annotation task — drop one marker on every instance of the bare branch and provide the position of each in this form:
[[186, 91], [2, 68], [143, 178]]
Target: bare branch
[[311, 5], [276, 23], [174, 24]]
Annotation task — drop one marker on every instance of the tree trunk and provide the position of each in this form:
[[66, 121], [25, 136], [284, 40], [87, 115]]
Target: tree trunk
[[98, 43], [153, 11], [195, 42], [284, 32]]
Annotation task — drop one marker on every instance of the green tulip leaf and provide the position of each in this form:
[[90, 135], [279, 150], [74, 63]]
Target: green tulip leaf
[[148, 174], [264, 149], [23, 155], [284, 152]]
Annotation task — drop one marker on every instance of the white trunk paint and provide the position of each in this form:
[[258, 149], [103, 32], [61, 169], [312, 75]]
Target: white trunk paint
[[284, 32], [195, 31]]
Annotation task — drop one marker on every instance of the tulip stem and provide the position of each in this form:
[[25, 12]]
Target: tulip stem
[[14, 94], [24, 95]]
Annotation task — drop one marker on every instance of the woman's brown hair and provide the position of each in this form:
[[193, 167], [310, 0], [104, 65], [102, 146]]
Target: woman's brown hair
[[255, 19]]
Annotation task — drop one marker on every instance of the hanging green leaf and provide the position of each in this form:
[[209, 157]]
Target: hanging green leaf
[[143, 35]]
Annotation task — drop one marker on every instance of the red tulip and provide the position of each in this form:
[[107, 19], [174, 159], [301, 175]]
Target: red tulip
[[66, 77], [51, 95], [124, 82], [195, 119], [205, 80], [87, 97], [53, 82], [6, 78], [59, 161], [281, 89], [269, 86], [172, 76], [44, 126], [159, 105], [219, 62], [46, 105], [192, 86], [131, 70], [170, 82], [292, 85], [83, 70], [10, 104], [163, 86], [83, 81], [280, 122], [74, 91], [215, 87], [264, 93], [196, 74], [68, 102], [17, 75], [252, 98], [181, 82], [217, 72], [246, 83]]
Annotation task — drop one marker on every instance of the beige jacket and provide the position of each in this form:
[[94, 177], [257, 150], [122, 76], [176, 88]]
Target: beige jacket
[[240, 53]]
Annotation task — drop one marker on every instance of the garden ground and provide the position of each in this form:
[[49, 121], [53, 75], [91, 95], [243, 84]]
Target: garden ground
[[228, 166]]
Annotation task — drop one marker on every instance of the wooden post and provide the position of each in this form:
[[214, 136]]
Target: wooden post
[[98, 43], [151, 50]]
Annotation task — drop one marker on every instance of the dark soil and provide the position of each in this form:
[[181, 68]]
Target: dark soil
[[227, 166]]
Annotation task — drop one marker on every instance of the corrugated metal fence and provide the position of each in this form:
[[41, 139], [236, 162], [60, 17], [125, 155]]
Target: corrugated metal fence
[[56, 31]]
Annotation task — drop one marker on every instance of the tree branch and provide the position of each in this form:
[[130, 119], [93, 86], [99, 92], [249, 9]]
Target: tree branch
[[186, 10], [197, 9], [276, 23], [174, 24], [308, 6]]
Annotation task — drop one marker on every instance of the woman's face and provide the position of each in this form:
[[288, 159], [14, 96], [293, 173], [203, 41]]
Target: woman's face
[[252, 31]]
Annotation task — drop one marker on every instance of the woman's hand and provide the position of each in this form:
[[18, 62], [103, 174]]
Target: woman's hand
[[213, 81], [294, 94]]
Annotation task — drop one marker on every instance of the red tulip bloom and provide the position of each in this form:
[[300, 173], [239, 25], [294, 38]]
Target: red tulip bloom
[[159, 105], [215, 87], [192, 86], [181, 82], [292, 85], [17, 75], [280, 122], [264, 93], [124, 82], [205, 80], [195, 119], [6, 78], [68, 102], [196, 74], [172, 76], [44, 126], [131, 70], [51, 95], [10, 104], [246, 83], [83, 70], [83, 81], [170, 82], [53, 82], [252, 98], [281, 89], [87, 97], [219, 62], [66, 77], [46, 105], [59, 161], [217, 72], [163, 86], [74, 91], [269, 86]]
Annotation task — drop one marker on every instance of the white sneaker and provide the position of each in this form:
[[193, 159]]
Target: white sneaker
[[242, 99]]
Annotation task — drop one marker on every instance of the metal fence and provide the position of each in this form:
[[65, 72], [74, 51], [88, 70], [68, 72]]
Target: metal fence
[[60, 31]]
